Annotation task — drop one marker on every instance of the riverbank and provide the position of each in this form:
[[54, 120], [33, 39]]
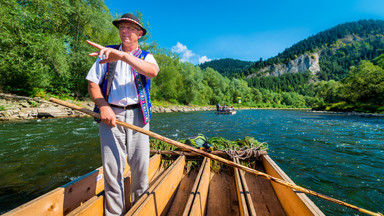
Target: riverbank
[[13, 107]]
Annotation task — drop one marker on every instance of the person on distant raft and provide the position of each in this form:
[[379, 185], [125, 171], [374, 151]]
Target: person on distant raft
[[119, 84], [218, 107]]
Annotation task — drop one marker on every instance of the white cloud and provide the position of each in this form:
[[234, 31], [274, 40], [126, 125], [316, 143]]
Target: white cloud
[[204, 59], [187, 55], [179, 48]]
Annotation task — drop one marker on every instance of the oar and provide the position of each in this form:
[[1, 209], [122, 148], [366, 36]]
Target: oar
[[216, 158]]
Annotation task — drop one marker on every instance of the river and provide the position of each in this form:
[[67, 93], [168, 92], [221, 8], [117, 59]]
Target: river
[[334, 154]]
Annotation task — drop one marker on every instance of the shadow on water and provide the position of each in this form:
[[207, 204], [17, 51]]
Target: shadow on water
[[334, 154]]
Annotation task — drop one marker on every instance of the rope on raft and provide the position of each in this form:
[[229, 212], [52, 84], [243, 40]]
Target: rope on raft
[[246, 151]]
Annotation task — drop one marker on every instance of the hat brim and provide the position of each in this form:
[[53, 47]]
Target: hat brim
[[117, 22]]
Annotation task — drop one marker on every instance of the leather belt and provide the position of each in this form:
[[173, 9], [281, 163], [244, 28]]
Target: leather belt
[[128, 107]]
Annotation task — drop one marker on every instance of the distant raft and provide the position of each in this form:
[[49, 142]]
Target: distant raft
[[231, 112]]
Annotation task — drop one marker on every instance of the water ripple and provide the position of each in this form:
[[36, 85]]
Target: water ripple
[[334, 154]]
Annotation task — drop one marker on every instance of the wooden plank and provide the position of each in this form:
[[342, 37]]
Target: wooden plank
[[271, 201], [82, 189], [94, 203], [127, 191], [152, 185], [293, 202], [50, 203], [65, 199], [247, 195], [257, 198], [201, 193], [192, 194], [154, 163], [153, 166], [264, 198], [159, 197], [183, 193], [240, 192], [93, 207], [222, 198]]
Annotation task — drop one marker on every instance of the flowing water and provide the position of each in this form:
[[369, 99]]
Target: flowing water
[[334, 154]]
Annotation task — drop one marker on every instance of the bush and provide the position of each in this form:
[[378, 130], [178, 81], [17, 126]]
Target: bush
[[342, 106], [33, 103], [380, 109], [367, 108]]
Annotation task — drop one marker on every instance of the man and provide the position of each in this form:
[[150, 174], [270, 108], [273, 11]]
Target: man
[[119, 84]]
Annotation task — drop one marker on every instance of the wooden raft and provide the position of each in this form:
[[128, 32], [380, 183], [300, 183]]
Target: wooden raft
[[172, 191]]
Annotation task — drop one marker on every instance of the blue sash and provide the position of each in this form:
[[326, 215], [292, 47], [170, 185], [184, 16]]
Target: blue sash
[[143, 85]]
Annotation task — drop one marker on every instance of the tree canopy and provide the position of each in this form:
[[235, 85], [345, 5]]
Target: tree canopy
[[365, 83], [43, 45], [227, 67]]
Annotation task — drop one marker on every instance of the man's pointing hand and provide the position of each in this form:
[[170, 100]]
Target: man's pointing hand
[[110, 54]]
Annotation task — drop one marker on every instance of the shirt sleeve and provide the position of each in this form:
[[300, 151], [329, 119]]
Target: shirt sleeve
[[150, 58], [97, 72]]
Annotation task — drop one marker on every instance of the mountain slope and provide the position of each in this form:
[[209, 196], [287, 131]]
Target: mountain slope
[[227, 67], [338, 48]]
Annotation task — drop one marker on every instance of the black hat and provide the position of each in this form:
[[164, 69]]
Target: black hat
[[129, 18]]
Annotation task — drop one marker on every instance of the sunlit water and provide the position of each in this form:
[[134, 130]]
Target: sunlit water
[[337, 155]]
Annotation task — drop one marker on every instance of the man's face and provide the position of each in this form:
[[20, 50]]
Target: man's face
[[129, 32]]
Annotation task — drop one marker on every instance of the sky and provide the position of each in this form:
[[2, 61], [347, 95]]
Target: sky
[[204, 30]]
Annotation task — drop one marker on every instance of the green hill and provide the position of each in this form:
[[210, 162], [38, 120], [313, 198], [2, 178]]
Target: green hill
[[339, 48], [228, 66]]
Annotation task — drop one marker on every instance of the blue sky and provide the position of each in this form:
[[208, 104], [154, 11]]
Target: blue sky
[[202, 30]]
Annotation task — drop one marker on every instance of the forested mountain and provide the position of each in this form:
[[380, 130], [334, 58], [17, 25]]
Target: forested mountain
[[339, 48], [331, 52], [228, 66], [45, 53]]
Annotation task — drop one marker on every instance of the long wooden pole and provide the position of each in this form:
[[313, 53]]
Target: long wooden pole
[[217, 152], [216, 158]]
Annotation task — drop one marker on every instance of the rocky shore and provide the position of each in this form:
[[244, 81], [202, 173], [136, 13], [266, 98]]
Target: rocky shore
[[13, 107]]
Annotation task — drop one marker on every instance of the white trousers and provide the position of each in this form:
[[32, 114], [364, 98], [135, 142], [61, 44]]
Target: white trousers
[[117, 145]]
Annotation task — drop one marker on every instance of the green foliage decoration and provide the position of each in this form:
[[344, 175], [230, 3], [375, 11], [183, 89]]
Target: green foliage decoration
[[219, 143]]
